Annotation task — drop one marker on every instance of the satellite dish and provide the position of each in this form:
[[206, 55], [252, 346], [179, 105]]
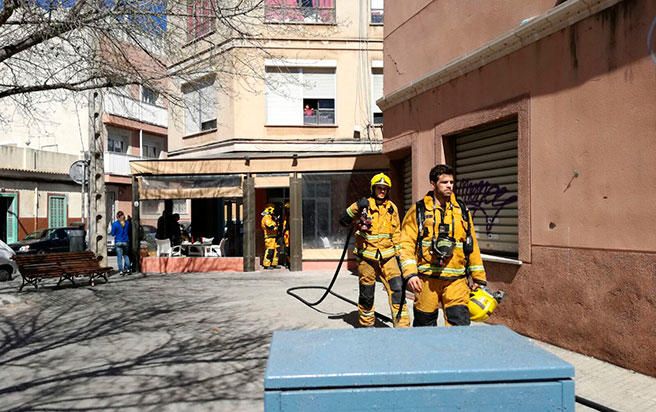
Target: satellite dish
[[77, 172]]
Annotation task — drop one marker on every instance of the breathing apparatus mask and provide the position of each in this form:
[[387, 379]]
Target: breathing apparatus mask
[[442, 245], [444, 241]]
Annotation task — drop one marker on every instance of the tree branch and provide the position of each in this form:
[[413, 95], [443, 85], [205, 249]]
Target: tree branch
[[8, 10]]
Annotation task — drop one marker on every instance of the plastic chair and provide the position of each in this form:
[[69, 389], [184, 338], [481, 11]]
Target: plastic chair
[[213, 251], [164, 248]]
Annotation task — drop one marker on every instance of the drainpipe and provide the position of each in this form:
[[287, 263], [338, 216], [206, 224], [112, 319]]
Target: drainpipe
[[141, 143], [36, 207]]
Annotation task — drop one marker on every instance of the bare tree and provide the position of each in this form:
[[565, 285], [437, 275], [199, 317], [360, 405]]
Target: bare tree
[[77, 45]]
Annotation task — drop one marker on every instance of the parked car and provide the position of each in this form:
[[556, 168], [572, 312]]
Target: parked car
[[61, 239], [7, 266], [111, 248]]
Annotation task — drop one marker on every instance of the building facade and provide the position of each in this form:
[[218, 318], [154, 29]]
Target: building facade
[[37, 148], [546, 111], [306, 87], [36, 192]]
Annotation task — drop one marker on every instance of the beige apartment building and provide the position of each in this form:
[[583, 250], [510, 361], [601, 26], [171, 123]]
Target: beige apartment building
[[547, 112], [297, 104]]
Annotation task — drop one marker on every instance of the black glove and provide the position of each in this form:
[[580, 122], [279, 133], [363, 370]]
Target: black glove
[[363, 203], [345, 220]]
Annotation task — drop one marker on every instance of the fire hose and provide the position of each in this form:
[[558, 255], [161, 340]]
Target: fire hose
[[328, 289]]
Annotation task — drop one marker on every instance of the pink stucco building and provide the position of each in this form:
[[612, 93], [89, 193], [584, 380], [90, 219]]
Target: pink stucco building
[[547, 110]]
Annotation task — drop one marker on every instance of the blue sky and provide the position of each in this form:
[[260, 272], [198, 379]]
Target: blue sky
[[156, 7]]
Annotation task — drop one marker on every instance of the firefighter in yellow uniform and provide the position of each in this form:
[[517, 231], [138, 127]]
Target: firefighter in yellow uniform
[[270, 228], [440, 258], [377, 246]]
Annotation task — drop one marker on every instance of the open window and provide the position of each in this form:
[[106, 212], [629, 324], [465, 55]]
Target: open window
[[300, 96]]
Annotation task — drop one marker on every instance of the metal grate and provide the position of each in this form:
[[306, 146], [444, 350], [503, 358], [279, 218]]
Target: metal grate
[[407, 184]]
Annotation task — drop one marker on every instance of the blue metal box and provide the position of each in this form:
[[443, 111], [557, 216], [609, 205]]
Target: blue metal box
[[479, 368]]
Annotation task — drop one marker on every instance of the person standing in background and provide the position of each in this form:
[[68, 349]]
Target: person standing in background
[[121, 232]]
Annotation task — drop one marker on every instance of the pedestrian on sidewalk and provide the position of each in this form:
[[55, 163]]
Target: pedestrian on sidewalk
[[121, 233]]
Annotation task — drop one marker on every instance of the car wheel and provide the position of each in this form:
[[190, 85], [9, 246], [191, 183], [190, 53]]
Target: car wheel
[[5, 274]]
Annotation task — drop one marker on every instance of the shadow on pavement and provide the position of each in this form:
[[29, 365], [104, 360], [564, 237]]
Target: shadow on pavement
[[352, 319], [90, 353]]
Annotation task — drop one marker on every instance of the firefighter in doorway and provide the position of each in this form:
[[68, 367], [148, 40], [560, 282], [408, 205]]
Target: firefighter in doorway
[[377, 246], [270, 229]]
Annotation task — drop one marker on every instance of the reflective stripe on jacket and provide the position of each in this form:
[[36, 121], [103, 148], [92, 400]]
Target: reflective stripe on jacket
[[429, 264], [382, 241]]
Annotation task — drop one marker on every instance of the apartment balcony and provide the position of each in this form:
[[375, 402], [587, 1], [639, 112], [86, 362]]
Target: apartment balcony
[[118, 163], [134, 109], [307, 12]]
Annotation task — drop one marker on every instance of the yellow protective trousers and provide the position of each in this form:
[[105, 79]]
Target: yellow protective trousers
[[270, 252], [453, 295], [390, 275]]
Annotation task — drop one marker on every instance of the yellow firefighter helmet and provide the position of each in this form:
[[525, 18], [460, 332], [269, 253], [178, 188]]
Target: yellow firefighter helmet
[[381, 179], [482, 303], [269, 209]]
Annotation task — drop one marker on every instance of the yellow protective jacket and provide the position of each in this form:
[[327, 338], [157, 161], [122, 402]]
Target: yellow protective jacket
[[429, 264], [269, 226], [382, 241]]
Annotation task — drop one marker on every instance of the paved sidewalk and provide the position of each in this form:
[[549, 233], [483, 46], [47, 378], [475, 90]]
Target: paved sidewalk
[[607, 384], [194, 342]]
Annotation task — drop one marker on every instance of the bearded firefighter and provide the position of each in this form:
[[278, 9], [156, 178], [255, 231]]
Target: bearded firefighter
[[270, 229], [377, 246], [440, 256]]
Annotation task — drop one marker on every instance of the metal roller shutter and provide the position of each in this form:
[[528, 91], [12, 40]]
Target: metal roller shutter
[[486, 179], [407, 183]]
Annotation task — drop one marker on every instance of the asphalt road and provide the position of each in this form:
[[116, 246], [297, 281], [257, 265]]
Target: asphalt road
[[161, 342]]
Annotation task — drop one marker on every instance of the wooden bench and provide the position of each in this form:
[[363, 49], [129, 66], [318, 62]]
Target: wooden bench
[[65, 265]]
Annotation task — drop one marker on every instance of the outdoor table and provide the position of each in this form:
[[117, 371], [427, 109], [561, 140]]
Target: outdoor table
[[185, 246]]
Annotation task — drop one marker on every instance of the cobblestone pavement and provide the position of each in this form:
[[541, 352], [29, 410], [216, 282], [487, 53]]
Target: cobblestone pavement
[[193, 342]]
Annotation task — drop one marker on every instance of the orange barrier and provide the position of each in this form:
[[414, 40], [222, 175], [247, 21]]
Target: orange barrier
[[191, 264]]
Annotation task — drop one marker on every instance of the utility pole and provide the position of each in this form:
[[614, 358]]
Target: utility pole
[[249, 224], [97, 223]]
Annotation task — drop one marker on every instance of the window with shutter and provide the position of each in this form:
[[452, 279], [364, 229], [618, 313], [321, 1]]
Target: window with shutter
[[376, 93], [300, 96], [486, 179], [377, 11], [300, 11], [57, 211], [200, 18], [200, 106]]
